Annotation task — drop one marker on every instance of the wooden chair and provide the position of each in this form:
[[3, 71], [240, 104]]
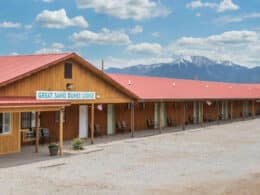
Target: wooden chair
[[169, 122], [119, 126], [45, 136], [190, 120], [124, 126], [150, 123], [97, 128]]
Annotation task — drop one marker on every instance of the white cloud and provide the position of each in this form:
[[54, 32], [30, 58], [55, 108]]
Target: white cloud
[[227, 5], [47, 1], [237, 46], [224, 5], [28, 26], [198, 14], [10, 25], [55, 48], [237, 19], [126, 9], [145, 48], [137, 29], [105, 37], [156, 34], [199, 4], [59, 19]]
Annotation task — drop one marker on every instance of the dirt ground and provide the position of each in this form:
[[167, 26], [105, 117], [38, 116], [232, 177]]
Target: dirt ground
[[221, 159]]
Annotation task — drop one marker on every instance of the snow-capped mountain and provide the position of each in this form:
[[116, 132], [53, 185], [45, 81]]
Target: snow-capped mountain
[[196, 67]]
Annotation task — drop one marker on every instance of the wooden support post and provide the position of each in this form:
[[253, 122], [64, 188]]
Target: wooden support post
[[201, 113], [92, 123], [132, 119], [161, 117], [37, 129], [231, 110], [184, 116], [61, 131], [218, 112], [253, 109]]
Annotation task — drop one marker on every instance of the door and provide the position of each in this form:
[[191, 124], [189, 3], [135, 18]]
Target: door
[[164, 118], [83, 121], [110, 119], [156, 115]]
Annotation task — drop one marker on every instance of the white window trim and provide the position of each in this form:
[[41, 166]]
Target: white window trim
[[10, 121]]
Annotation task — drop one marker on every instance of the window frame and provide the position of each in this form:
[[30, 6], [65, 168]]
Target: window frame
[[29, 118], [3, 124], [68, 72]]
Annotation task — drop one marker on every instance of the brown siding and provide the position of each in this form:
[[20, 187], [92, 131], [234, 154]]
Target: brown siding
[[237, 109], [210, 112], [175, 111], [189, 112], [11, 143], [100, 118], [71, 125], [53, 79], [257, 108], [122, 113], [141, 114]]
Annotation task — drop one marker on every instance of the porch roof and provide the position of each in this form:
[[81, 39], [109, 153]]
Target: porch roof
[[31, 102]]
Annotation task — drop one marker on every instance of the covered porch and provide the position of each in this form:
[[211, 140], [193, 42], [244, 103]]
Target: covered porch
[[12, 133]]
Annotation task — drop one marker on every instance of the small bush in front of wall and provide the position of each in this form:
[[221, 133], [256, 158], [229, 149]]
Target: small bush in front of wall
[[77, 144]]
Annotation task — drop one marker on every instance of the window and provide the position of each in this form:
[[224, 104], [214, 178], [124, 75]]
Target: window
[[57, 116], [5, 123], [68, 70], [26, 120]]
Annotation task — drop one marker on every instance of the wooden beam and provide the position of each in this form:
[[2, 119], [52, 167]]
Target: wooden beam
[[30, 109], [161, 117], [92, 123], [132, 119], [37, 129], [61, 132], [184, 116], [253, 108], [201, 113], [231, 110], [218, 121]]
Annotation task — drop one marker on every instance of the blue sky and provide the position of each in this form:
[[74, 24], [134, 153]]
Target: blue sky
[[130, 32]]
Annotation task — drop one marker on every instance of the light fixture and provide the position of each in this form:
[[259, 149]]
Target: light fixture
[[69, 86]]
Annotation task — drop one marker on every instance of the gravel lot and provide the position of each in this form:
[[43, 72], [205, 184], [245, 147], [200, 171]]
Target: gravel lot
[[222, 159]]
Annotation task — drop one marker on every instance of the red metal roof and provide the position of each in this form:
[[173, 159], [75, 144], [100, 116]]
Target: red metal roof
[[17, 67], [167, 88], [29, 101], [13, 67]]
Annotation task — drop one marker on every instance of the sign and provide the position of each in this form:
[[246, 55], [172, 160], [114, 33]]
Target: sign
[[65, 95]]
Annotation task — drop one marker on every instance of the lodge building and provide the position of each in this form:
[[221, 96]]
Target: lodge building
[[64, 96]]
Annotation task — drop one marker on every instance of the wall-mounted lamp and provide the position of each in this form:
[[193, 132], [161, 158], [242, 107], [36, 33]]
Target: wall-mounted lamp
[[69, 86]]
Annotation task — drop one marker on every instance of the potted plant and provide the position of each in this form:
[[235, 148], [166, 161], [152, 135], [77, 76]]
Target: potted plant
[[53, 149], [77, 144]]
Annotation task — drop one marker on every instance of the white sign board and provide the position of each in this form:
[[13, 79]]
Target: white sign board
[[65, 95]]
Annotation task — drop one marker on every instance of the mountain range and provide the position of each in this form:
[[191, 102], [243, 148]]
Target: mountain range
[[197, 68]]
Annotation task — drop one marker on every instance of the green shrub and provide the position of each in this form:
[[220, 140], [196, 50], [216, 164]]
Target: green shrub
[[53, 145], [77, 144]]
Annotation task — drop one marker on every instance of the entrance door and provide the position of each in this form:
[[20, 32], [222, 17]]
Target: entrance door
[[156, 115], [110, 119], [83, 121], [164, 118]]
